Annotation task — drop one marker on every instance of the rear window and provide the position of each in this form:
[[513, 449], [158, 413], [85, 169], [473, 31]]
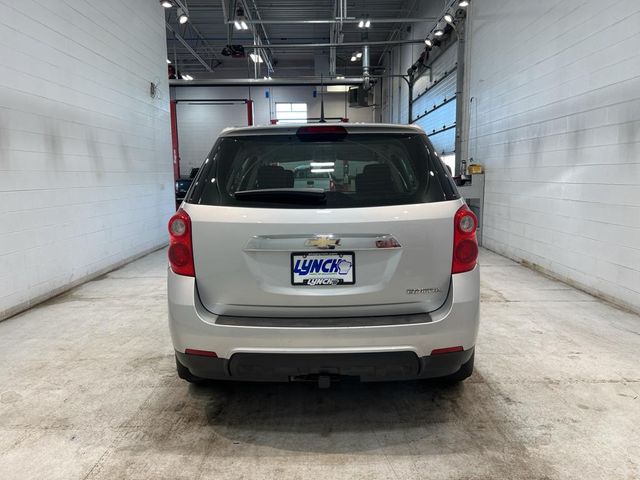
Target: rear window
[[348, 171]]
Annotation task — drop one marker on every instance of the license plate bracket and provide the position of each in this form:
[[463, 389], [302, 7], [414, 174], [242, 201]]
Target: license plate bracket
[[323, 268]]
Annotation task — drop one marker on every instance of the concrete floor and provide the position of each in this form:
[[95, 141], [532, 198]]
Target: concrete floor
[[88, 391]]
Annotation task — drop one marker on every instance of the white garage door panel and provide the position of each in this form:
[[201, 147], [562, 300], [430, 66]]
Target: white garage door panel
[[432, 90], [199, 126]]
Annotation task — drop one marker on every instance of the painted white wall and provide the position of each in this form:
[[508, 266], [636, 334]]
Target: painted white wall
[[86, 176], [199, 125], [555, 118]]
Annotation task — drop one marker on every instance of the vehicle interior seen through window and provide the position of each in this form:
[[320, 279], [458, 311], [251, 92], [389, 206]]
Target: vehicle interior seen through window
[[360, 170]]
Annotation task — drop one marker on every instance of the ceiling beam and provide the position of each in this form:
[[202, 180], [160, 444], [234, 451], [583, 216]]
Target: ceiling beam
[[249, 19], [188, 47]]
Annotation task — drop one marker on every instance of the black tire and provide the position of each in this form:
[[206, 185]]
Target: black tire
[[463, 373], [185, 374]]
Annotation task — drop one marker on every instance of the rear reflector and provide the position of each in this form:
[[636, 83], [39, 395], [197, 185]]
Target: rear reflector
[[440, 351], [201, 353]]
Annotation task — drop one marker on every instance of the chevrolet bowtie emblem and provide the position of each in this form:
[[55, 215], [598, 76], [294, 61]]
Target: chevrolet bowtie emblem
[[325, 242]]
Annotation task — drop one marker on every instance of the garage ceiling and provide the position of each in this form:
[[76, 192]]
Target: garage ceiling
[[207, 32]]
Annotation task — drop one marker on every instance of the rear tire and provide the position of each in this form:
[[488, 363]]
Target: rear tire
[[185, 374], [463, 373]]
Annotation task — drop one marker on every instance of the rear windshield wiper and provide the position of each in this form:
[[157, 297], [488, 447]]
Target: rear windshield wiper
[[310, 196]]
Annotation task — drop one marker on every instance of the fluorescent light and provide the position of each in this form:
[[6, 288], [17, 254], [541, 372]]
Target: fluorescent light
[[322, 170], [463, 3], [340, 77], [322, 164], [168, 61], [353, 58], [236, 24], [438, 33], [187, 77], [359, 54], [256, 57], [448, 18], [428, 42], [367, 24], [243, 24], [361, 24], [166, 4], [182, 17]]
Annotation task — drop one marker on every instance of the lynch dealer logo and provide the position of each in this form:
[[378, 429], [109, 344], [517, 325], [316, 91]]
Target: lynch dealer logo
[[322, 269]]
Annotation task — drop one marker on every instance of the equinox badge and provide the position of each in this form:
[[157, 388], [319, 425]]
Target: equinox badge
[[324, 242]]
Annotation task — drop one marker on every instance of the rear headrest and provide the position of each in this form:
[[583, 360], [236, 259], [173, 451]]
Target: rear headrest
[[274, 176], [375, 178], [376, 169]]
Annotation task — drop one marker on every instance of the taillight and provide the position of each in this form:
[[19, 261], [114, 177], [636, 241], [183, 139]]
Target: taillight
[[465, 244], [180, 247]]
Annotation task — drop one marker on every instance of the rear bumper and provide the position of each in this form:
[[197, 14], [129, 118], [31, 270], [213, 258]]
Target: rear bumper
[[193, 327], [366, 367]]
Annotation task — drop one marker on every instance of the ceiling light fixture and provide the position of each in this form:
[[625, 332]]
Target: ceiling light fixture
[[361, 24], [367, 24], [463, 3], [438, 33], [256, 57], [353, 58], [244, 25], [182, 17], [428, 42], [187, 77], [236, 24], [340, 77], [448, 18], [322, 164], [359, 55], [166, 3], [168, 61]]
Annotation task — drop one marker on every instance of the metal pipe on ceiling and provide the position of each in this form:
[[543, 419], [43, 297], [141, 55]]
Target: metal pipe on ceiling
[[274, 46], [291, 81], [365, 66], [338, 20]]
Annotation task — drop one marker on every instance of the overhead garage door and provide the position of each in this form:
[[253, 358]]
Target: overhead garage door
[[200, 123], [434, 101]]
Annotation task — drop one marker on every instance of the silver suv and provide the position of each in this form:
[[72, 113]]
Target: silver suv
[[373, 276]]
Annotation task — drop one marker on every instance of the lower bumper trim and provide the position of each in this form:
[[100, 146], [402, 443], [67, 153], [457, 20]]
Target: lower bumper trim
[[324, 322], [285, 367]]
